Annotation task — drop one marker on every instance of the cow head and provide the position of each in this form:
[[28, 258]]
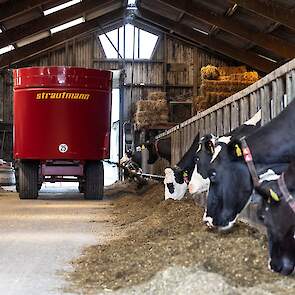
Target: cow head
[[209, 145], [152, 152], [231, 185], [175, 183], [279, 219]]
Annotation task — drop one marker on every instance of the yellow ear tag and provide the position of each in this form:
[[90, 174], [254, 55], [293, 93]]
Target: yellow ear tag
[[238, 151], [274, 195], [143, 147], [184, 174]]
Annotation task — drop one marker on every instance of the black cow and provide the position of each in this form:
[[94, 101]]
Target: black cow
[[279, 218], [160, 148], [230, 182], [209, 146], [177, 178]]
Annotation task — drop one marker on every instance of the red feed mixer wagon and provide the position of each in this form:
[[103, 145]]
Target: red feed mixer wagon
[[61, 128]]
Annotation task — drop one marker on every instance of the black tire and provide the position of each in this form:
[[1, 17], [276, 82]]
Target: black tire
[[94, 180], [28, 175], [16, 173], [81, 187]]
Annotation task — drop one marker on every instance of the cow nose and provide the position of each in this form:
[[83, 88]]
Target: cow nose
[[190, 188], [283, 266], [170, 187]]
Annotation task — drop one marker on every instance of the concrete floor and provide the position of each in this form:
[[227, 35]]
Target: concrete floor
[[38, 238]]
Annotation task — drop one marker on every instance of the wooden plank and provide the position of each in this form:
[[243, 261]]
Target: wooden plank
[[253, 104], [293, 85], [219, 123], [244, 109], [177, 67], [207, 124], [273, 10], [289, 88], [226, 119], [274, 44], [234, 118], [202, 127], [277, 93], [241, 55], [213, 123], [265, 104]]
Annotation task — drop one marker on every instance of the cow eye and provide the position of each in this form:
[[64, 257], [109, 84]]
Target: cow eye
[[212, 176], [197, 159]]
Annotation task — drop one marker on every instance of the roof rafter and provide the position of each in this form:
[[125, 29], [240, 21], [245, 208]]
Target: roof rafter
[[8, 9], [274, 11], [241, 55], [37, 47], [274, 44], [46, 22]]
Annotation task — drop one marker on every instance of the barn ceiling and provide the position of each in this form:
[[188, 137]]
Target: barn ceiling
[[259, 33]]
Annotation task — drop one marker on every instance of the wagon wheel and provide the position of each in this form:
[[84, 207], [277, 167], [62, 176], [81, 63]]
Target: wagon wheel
[[28, 181], [94, 180]]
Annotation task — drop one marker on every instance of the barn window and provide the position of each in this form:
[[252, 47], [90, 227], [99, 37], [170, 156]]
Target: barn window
[[142, 47]]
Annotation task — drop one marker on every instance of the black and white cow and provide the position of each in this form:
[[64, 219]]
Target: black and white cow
[[277, 212], [210, 146], [160, 148], [177, 178], [231, 184]]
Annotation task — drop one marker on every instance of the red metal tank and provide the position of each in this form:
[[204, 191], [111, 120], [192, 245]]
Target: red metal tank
[[61, 113]]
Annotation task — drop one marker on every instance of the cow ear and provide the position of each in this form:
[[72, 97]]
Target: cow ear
[[235, 150]]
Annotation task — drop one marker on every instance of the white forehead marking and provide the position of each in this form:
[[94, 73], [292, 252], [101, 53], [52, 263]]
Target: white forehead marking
[[268, 176], [255, 119], [216, 153], [199, 148], [224, 139]]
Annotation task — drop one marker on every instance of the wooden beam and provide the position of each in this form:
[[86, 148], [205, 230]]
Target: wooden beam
[[281, 48], [270, 9], [56, 39], [239, 54], [52, 20], [15, 7]]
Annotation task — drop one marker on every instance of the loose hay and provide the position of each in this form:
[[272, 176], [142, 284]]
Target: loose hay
[[157, 95], [209, 72], [159, 234], [224, 86], [226, 71]]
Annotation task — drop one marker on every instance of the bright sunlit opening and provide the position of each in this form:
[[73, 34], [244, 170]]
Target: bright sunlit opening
[[67, 25], [6, 49], [60, 7], [144, 43]]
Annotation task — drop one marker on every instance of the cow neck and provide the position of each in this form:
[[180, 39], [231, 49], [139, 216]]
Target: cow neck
[[286, 193], [275, 140], [249, 161]]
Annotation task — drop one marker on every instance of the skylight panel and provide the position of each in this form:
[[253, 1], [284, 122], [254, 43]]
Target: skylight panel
[[201, 31], [67, 25], [6, 49], [61, 6]]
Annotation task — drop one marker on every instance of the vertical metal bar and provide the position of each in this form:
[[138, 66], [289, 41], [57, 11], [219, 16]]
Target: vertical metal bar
[[121, 115], [132, 70], [138, 42]]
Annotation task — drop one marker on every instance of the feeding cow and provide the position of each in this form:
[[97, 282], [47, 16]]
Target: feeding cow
[[210, 146], [277, 212], [231, 184], [160, 148], [177, 178]]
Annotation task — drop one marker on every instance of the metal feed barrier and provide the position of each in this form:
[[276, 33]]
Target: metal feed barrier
[[271, 94]]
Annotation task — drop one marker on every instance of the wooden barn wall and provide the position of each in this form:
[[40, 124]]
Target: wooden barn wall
[[148, 75]]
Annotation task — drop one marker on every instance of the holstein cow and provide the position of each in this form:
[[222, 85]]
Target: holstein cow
[[177, 178], [209, 146], [277, 212], [231, 183], [160, 148]]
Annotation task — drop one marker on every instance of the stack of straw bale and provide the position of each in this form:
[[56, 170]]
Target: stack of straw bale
[[219, 83], [151, 112]]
